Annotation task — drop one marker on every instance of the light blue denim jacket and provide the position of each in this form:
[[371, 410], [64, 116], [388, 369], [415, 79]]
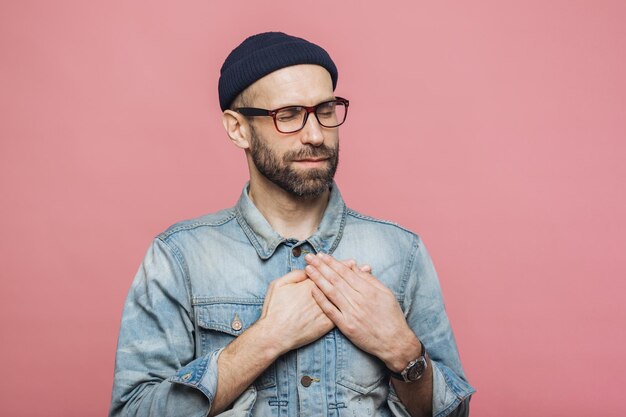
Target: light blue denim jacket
[[202, 283]]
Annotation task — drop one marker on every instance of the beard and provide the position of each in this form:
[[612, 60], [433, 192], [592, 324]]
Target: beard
[[308, 183]]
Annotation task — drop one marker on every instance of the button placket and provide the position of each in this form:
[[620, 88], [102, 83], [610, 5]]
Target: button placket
[[296, 254], [310, 368]]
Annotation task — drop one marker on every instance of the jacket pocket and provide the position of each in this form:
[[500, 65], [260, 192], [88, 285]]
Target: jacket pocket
[[356, 369], [219, 323]]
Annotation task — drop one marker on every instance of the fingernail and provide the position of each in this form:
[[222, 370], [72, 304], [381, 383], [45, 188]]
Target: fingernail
[[308, 257]]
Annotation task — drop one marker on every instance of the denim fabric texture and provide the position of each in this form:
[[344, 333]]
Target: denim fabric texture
[[202, 283]]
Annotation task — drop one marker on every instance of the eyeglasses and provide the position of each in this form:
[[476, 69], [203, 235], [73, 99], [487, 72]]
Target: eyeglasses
[[290, 119]]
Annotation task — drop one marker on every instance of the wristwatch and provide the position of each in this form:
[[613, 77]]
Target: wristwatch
[[414, 370]]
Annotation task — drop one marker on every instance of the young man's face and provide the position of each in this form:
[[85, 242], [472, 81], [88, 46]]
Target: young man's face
[[302, 163]]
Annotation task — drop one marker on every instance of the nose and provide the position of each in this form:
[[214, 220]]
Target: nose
[[312, 132]]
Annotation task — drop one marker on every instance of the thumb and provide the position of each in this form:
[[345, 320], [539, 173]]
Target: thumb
[[293, 277]]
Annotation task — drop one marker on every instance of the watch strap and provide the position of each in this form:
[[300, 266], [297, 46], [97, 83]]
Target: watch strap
[[399, 375]]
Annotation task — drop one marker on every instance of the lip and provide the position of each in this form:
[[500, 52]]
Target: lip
[[311, 162]]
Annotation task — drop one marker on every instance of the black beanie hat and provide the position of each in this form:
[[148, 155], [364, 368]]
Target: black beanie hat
[[264, 53]]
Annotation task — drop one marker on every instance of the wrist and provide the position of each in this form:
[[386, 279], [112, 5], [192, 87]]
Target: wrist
[[270, 343], [401, 353]]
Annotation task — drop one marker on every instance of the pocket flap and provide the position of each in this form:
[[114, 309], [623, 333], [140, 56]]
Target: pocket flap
[[230, 318]]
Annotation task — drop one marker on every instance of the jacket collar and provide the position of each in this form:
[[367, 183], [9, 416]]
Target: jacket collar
[[265, 239]]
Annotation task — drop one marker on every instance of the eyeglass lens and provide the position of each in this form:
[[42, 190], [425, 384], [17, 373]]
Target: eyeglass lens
[[292, 119]]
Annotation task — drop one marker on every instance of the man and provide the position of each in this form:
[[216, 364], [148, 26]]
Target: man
[[261, 309]]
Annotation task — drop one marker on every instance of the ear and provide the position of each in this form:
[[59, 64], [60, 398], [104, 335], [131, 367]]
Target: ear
[[237, 128]]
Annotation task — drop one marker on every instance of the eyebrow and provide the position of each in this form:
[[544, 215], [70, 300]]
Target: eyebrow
[[300, 105]]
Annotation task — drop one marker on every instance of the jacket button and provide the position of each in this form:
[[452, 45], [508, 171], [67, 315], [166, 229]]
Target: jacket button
[[297, 251], [236, 324], [306, 381]]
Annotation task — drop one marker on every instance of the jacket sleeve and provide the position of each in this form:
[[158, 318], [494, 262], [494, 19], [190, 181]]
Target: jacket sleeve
[[155, 370], [426, 315]]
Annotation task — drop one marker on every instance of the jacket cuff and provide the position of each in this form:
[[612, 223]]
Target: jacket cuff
[[200, 374], [449, 390]]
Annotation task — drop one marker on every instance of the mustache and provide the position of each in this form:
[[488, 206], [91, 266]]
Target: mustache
[[308, 151]]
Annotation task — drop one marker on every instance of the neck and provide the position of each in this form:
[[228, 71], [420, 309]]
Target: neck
[[289, 215]]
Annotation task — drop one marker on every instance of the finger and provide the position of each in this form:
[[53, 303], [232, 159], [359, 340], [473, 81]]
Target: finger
[[330, 267], [268, 298], [331, 310], [351, 263], [293, 277], [335, 278], [334, 294], [348, 262], [367, 276]]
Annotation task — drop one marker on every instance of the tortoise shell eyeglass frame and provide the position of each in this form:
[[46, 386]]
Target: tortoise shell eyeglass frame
[[297, 111]]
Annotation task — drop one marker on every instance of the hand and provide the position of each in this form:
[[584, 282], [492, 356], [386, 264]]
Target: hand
[[363, 309], [291, 314]]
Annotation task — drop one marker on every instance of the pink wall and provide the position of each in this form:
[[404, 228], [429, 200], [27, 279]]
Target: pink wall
[[494, 129]]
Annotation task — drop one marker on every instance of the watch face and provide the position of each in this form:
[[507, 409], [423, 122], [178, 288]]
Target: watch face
[[417, 370]]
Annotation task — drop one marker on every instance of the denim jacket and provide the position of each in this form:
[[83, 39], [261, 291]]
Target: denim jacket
[[202, 283]]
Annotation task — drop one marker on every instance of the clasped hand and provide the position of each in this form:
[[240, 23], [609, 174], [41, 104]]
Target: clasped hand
[[364, 309], [338, 293]]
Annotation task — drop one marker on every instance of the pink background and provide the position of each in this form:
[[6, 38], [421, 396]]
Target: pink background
[[495, 129]]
